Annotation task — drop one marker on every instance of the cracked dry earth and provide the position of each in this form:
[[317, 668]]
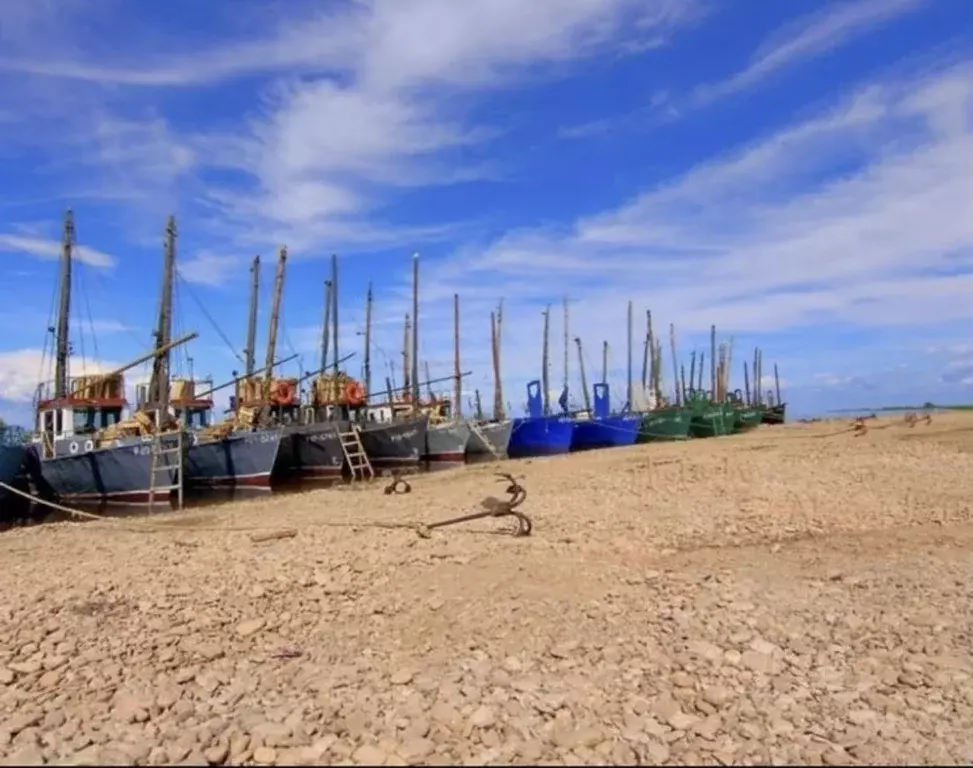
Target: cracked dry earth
[[788, 596]]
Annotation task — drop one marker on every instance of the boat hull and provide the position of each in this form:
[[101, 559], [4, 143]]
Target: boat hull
[[118, 474], [11, 462], [313, 451], [544, 436], [446, 443], [664, 424], [395, 445], [775, 414], [242, 459], [711, 421], [612, 432], [747, 418], [490, 439]]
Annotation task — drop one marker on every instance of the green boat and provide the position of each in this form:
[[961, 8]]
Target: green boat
[[747, 417], [775, 414], [708, 419], [670, 423]]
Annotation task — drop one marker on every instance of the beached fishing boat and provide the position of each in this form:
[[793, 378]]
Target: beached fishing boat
[[489, 439], [745, 417], [604, 430], [87, 450], [665, 424], [774, 414], [540, 436], [13, 454]]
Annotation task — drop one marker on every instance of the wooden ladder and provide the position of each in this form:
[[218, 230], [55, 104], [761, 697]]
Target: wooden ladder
[[355, 455], [476, 431], [170, 461]]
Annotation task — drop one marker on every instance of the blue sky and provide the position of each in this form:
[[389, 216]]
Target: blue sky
[[797, 173]]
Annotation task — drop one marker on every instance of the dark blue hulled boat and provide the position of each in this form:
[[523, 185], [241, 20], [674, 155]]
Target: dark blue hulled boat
[[604, 430], [539, 435], [12, 455]]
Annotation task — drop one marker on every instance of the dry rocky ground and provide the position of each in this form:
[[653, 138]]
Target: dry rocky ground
[[788, 596]]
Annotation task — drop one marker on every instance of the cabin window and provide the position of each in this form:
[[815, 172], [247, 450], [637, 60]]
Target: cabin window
[[110, 417], [84, 421]]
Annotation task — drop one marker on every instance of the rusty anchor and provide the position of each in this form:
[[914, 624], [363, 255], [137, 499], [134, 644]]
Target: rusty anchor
[[398, 485], [492, 507]]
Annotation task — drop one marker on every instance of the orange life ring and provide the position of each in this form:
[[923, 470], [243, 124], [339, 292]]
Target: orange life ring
[[283, 393], [354, 394]]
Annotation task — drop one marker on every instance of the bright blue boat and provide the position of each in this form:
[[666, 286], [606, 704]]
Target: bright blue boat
[[539, 435], [604, 430]]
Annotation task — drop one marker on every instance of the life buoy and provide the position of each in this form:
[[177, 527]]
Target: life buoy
[[89, 445], [354, 394], [283, 392], [73, 447]]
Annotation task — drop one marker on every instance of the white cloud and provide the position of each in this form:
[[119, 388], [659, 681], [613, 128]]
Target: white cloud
[[22, 370], [380, 102], [51, 249], [809, 36], [857, 217], [210, 269]]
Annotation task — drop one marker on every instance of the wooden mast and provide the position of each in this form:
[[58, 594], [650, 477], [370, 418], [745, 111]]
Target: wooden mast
[[712, 362], [406, 358], [584, 377], [545, 362], [326, 325], [334, 321], [457, 409], [498, 409], [158, 399], [62, 341], [249, 354], [415, 331], [566, 343], [628, 387], [368, 341], [274, 319], [675, 363]]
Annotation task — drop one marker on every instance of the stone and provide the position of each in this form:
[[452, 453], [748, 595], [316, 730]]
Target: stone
[[483, 717], [250, 627]]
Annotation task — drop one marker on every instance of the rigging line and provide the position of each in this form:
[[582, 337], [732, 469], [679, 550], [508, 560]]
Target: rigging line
[[128, 326], [87, 303], [44, 374], [209, 317], [84, 363]]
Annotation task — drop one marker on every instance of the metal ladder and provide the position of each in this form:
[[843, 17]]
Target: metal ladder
[[476, 431], [170, 461], [355, 455]]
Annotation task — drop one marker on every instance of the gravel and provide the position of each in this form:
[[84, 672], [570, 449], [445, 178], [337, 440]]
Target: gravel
[[788, 596]]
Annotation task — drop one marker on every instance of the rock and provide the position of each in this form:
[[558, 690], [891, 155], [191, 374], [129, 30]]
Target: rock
[[367, 754], [7, 676], [717, 695], [265, 755], [415, 750], [483, 717], [681, 680], [217, 754], [563, 650], [25, 756], [402, 677], [250, 627]]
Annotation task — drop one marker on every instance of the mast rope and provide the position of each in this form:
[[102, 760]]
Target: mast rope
[[208, 316]]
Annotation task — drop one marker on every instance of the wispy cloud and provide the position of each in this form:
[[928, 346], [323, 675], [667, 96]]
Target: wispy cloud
[[850, 218], [51, 249], [807, 37], [374, 111]]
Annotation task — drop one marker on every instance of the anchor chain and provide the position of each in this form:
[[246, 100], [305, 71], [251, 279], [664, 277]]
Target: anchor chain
[[492, 507]]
